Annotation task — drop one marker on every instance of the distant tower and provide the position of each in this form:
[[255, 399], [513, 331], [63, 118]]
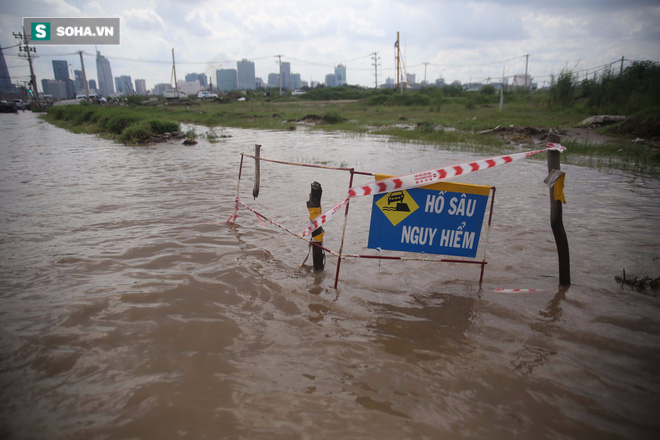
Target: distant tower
[[286, 75], [79, 80], [61, 69], [246, 75], [141, 86], [104, 72], [201, 77], [61, 72], [340, 73], [124, 85], [5, 80], [226, 79], [273, 80]]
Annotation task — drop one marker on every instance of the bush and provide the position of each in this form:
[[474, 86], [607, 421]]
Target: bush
[[56, 111], [135, 100], [334, 93], [426, 127], [378, 100], [116, 124], [407, 99], [159, 127], [562, 90], [333, 118], [488, 90], [136, 133]]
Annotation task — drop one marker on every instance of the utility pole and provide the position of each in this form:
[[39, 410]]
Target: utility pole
[[26, 52], [174, 72], [402, 76], [526, 77], [375, 57], [502, 90], [279, 57], [82, 64], [621, 68], [425, 65]]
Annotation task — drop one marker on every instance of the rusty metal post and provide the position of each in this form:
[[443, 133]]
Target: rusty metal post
[[257, 170], [556, 219], [314, 207]]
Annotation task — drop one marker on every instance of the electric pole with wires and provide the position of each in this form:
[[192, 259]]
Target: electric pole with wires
[[375, 57], [28, 53]]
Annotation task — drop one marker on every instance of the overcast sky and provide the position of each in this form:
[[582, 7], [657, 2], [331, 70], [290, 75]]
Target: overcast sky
[[459, 39]]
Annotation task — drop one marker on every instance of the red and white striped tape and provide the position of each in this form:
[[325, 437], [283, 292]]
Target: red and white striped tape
[[517, 290], [421, 179]]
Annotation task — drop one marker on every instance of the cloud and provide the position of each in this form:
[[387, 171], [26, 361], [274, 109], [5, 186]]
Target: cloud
[[474, 35], [197, 24], [142, 20]]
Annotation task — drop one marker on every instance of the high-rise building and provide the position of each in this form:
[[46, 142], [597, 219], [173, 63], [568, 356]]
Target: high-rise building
[[273, 80], [61, 72], [201, 77], [54, 87], [92, 85], [141, 86], [285, 70], [61, 69], [6, 87], [124, 85], [246, 76], [159, 89], [340, 74], [296, 82], [226, 79], [104, 72], [79, 80], [331, 80]]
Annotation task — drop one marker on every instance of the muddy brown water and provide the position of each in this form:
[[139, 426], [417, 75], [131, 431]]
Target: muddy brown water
[[130, 310]]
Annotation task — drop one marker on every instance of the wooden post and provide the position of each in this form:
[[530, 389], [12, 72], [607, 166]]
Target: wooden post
[[556, 220], [314, 207], [257, 170]]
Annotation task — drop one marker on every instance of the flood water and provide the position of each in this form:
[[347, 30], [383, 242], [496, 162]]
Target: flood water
[[129, 309]]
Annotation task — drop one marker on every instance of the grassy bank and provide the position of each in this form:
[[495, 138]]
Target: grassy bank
[[445, 121]]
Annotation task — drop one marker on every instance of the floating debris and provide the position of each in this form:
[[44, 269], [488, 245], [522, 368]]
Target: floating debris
[[637, 282]]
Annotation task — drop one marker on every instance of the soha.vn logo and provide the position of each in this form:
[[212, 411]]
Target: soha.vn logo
[[40, 31]]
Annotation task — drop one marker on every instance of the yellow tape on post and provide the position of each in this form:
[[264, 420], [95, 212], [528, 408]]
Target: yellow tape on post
[[313, 213], [559, 189]]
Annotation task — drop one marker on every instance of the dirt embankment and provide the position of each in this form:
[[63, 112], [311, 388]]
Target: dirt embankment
[[643, 130]]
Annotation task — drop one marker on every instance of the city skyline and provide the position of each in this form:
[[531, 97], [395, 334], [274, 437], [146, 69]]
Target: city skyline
[[449, 39]]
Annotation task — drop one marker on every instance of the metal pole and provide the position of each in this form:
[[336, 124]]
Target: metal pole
[[343, 232], [257, 170]]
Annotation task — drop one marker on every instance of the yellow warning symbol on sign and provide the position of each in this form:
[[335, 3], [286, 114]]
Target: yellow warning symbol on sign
[[397, 205]]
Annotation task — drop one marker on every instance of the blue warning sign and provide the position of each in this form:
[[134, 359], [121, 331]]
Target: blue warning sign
[[444, 218]]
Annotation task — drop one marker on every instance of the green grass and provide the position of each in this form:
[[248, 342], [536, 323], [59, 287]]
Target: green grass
[[446, 122]]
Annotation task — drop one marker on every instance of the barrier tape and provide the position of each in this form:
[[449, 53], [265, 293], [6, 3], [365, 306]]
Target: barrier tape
[[400, 183], [517, 290]]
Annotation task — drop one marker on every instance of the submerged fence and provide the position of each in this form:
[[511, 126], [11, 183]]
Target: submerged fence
[[396, 187]]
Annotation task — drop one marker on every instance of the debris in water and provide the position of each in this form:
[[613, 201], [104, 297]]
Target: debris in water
[[637, 282]]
